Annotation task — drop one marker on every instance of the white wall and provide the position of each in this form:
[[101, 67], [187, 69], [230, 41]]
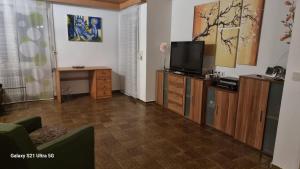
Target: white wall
[[141, 69], [86, 53], [271, 52], [287, 147], [182, 19], [158, 30]]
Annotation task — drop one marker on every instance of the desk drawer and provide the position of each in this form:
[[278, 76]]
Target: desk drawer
[[104, 84], [104, 88], [103, 74], [104, 93]]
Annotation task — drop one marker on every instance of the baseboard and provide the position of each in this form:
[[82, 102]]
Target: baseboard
[[116, 91], [86, 94], [143, 102], [273, 166]]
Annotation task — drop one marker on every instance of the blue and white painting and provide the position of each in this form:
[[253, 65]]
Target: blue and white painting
[[85, 28]]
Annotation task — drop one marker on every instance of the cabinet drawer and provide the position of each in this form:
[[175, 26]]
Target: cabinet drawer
[[104, 74], [176, 79], [104, 93], [176, 89], [104, 84], [175, 107], [175, 98], [104, 88]]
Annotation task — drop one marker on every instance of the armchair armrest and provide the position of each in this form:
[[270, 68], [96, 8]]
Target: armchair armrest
[[75, 150], [30, 123]]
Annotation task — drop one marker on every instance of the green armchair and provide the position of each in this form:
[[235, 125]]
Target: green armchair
[[74, 150]]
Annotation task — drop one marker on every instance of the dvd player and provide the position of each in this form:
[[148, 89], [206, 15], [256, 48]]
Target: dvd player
[[230, 83]]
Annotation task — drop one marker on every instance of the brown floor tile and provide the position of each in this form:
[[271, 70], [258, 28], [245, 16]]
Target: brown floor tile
[[129, 134]]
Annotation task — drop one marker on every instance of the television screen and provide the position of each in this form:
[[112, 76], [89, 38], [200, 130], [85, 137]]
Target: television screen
[[187, 57]]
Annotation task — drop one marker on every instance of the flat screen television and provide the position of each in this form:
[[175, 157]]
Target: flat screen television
[[187, 57]]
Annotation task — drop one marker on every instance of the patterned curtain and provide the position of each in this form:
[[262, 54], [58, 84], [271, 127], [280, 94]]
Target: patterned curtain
[[128, 51], [26, 71]]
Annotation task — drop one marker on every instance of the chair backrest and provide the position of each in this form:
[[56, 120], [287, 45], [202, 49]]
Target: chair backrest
[[14, 141]]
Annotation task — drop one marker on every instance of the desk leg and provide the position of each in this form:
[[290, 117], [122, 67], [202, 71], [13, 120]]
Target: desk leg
[[58, 88]]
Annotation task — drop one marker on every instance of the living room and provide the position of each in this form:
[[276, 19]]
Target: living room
[[149, 84]]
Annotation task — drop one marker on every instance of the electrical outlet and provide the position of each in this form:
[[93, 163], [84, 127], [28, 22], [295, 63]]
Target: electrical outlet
[[296, 76]]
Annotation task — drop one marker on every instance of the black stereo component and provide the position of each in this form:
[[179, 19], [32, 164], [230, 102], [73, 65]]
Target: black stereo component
[[230, 83]]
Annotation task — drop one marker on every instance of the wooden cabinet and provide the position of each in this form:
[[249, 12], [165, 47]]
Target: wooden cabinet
[[221, 109], [160, 87], [196, 100], [225, 113], [272, 117], [252, 107], [176, 93], [182, 94], [103, 84], [250, 114]]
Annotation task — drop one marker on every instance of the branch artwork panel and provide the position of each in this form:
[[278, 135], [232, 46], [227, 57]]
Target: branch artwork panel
[[252, 12], [230, 13], [227, 47], [206, 23], [228, 32]]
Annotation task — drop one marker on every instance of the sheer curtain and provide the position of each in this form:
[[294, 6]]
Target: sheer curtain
[[128, 50], [25, 69]]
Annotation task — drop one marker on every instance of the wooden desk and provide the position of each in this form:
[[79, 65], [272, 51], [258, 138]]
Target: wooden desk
[[100, 82]]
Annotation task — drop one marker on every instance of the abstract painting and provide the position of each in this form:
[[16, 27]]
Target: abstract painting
[[85, 28], [212, 20], [251, 20], [205, 23], [227, 42]]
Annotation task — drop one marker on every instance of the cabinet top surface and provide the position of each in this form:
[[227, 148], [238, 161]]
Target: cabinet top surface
[[61, 69], [261, 77], [184, 75]]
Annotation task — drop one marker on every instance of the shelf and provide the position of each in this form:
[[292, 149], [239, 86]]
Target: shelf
[[74, 78]]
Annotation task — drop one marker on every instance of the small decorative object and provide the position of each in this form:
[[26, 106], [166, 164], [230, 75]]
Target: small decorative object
[[78, 67], [288, 22], [165, 51], [85, 28], [270, 71], [277, 72]]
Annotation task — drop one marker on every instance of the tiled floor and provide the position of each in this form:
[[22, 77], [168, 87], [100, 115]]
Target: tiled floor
[[132, 135]]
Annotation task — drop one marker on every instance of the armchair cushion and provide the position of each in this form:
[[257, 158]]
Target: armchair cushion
[[30, 123], [46, 134], [74, 150]]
